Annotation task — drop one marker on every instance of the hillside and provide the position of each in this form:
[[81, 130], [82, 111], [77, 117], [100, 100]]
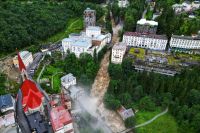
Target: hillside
[[25, 23]]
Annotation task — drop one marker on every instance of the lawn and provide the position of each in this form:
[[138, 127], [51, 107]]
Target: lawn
[[55, 73], [140, 54], [143, 116], [149, 15], [183, 56], [163, 124], [57, 82], [172, 60], [189, 56], [74, 25]]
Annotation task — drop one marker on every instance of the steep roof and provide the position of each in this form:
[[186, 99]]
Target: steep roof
[[32, 97], [145, 35]]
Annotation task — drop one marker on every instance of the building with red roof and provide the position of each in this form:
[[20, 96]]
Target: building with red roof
[[61, 120], [32, 97]]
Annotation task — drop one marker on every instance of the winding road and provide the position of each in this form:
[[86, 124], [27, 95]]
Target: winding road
[[41, 72], [147, 122]]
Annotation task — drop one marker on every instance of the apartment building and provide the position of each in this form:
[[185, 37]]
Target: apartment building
[[118, 52], [143, 40], [185, 43]]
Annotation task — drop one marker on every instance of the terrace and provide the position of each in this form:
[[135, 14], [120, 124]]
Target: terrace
[[164, 62], [137, 53]]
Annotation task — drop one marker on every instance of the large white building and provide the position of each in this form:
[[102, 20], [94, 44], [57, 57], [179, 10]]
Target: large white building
[[93, 31], [26, 56], [118, 52], [185, 42], [149, 41], [123, 3], [86, 42]]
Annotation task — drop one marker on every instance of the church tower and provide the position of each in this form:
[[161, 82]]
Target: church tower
[[89, 17]]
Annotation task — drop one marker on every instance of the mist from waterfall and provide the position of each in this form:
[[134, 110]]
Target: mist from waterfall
[[85, 103]]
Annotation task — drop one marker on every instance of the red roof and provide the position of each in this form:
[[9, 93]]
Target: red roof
[[147, 35], [32, 97], [21, 64], [60, 117]]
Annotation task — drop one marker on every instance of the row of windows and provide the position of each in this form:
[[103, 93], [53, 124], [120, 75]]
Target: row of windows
[[145, 40], [194, 43], [147, 45]]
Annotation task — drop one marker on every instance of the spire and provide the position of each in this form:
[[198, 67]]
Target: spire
[[21, 64]]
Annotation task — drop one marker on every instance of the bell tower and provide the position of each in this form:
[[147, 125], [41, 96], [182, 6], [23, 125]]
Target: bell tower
[[89, 17]]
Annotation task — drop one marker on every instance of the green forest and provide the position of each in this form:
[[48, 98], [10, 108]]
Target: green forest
[[148, 91], [25, 23], [169, 23], [130, 15]]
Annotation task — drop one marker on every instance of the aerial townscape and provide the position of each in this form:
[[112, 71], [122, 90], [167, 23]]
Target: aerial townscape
[[100, 66]]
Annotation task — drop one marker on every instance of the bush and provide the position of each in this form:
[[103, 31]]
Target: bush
[[111, 102], [130, 122], [147, 104]]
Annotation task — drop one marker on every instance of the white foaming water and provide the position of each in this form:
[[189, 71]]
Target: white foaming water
[[88, 104]]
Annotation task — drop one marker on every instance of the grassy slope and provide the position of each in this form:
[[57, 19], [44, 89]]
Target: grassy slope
[[74, 25], [57, 82], [164, 124], [56, 78]]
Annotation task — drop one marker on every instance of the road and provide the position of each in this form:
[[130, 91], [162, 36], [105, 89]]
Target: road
[[41, 72], [20, 116], [144, 13], [115, 29], [147, 122], [38, 57]]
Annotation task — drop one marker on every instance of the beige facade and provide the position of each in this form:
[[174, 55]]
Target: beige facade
[[118, 52], [26, 56]]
